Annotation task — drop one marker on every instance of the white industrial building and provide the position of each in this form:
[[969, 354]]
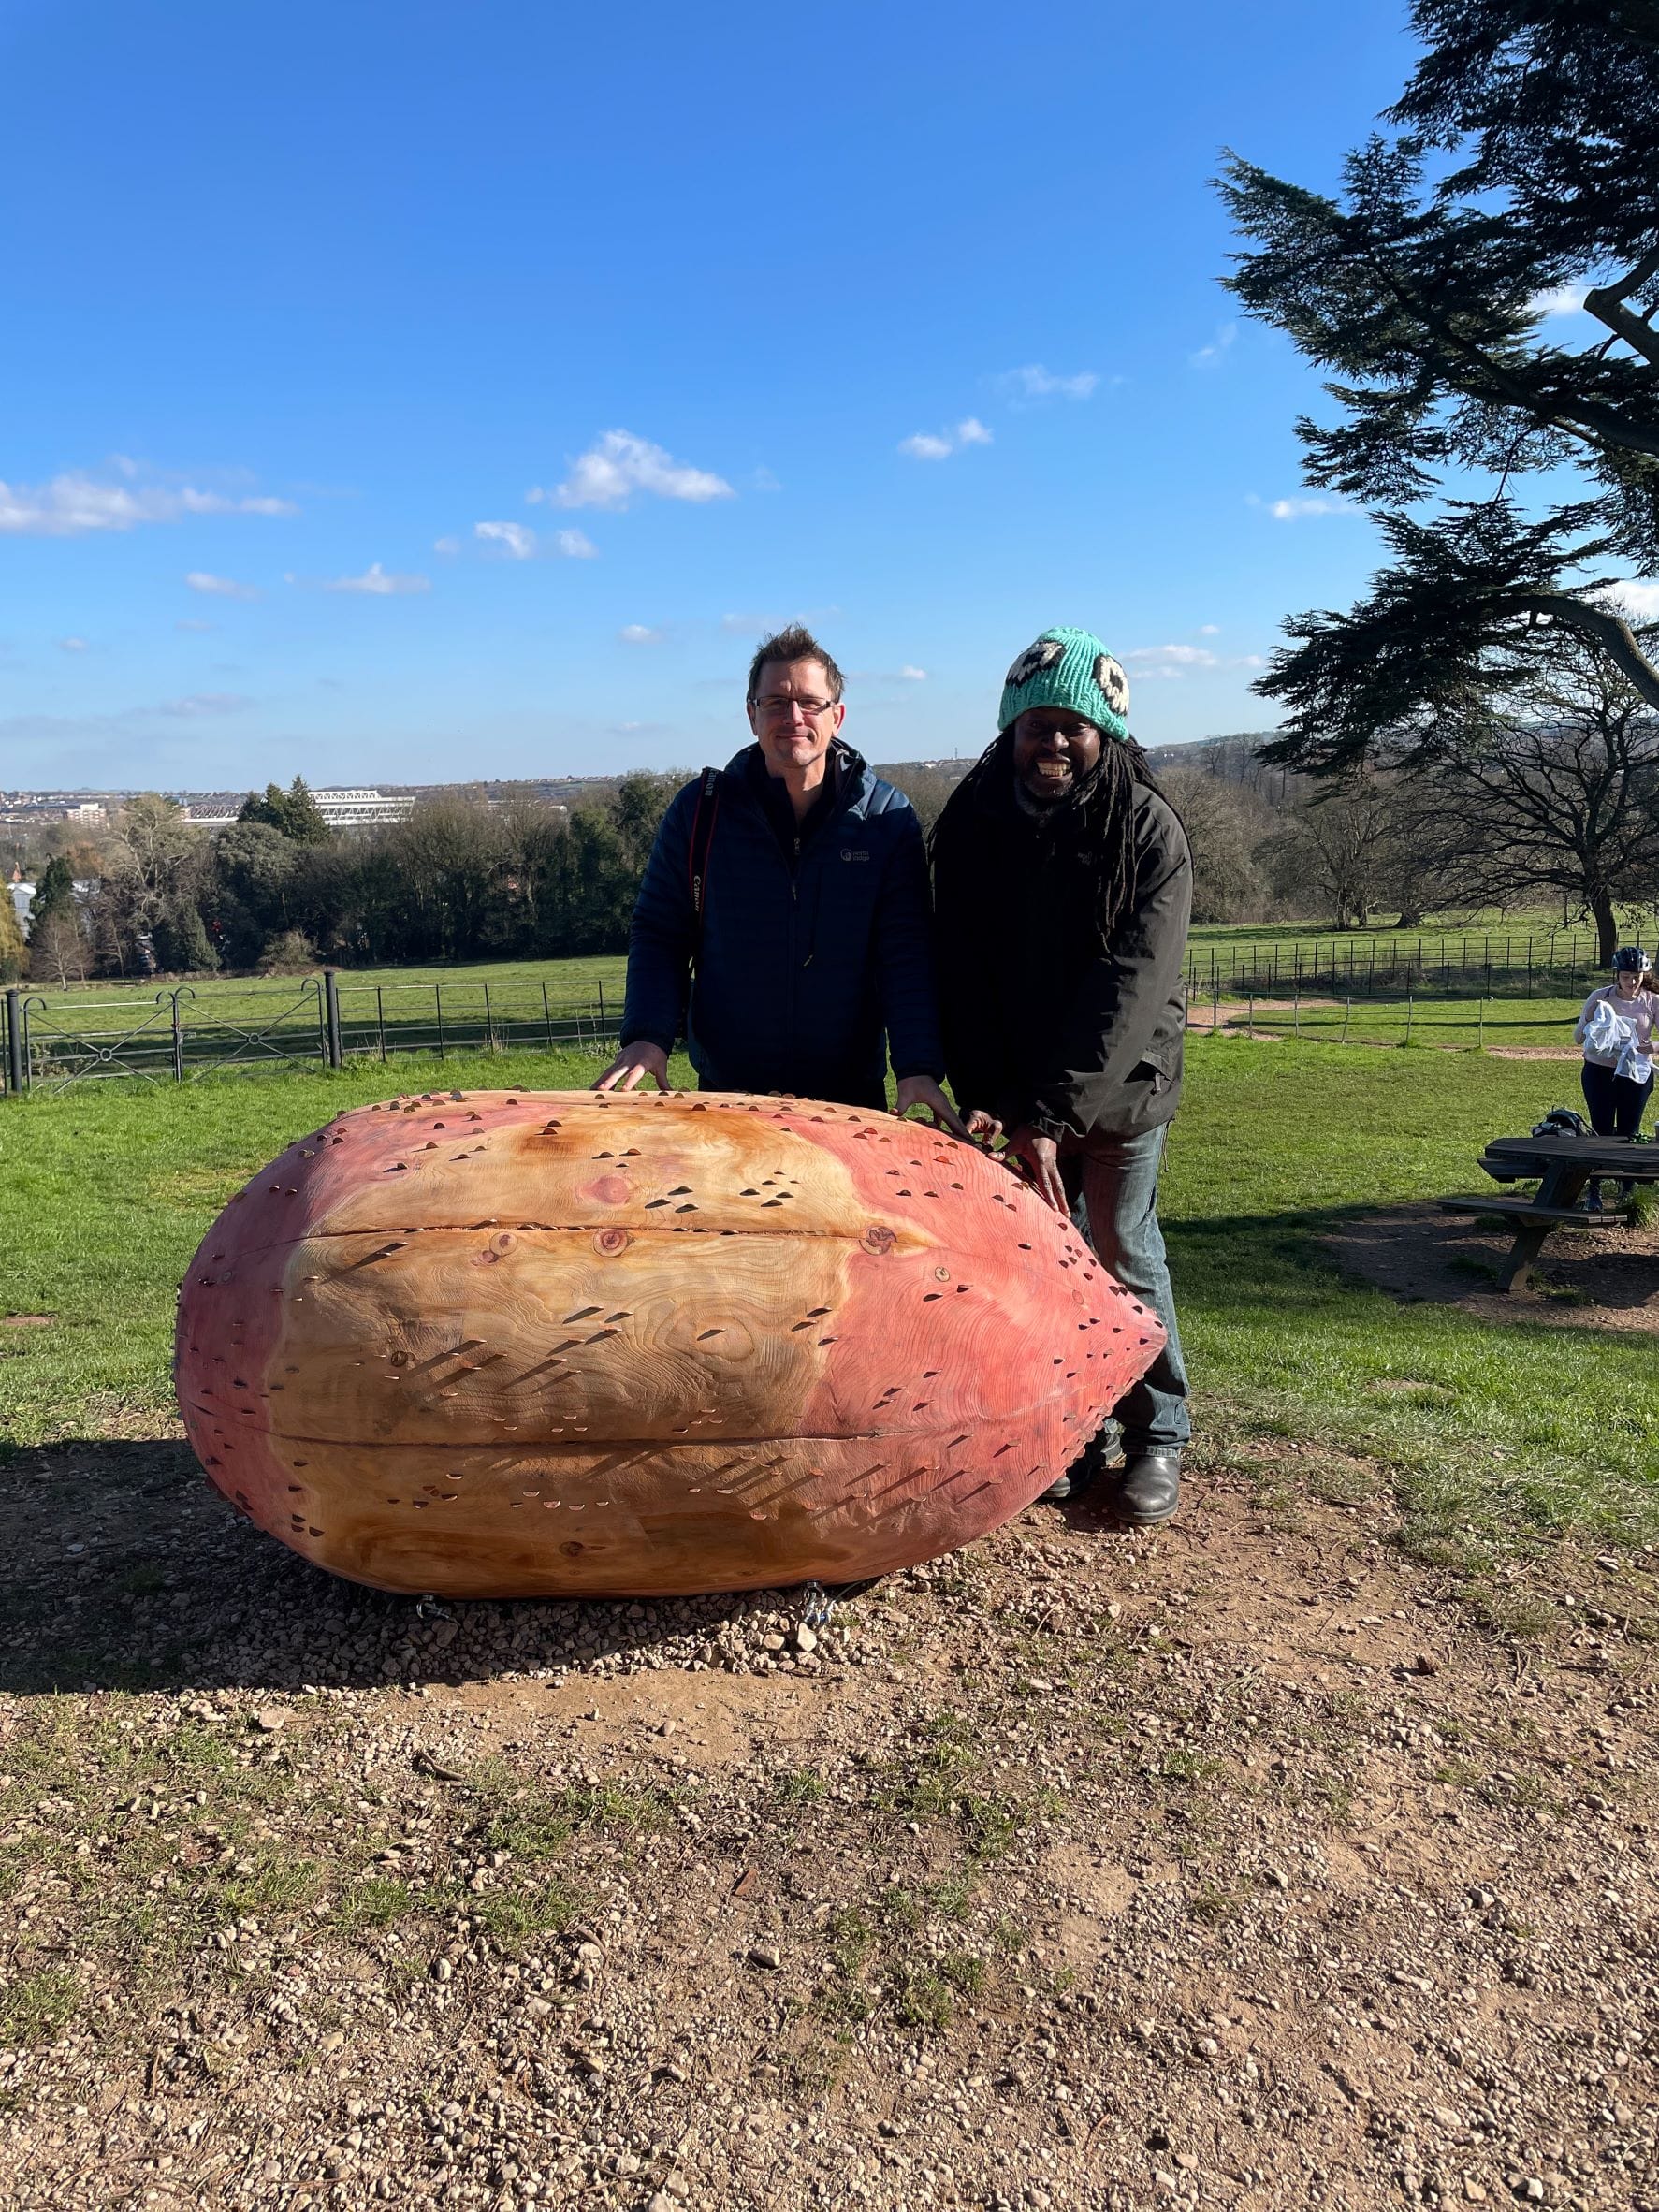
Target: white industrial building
[[340, 809]]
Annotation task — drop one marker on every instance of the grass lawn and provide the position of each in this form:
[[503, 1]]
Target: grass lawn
[[1445, 1024], [1514, 1431]]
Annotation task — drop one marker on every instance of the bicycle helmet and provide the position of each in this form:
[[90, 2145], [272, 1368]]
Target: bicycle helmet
[[1630, 957]]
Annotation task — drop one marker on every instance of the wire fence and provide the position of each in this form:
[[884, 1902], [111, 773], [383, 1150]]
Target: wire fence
[[1549, 964], [50, 1043]]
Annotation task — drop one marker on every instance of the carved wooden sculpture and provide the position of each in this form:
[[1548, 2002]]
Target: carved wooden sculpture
[[559, 1344]]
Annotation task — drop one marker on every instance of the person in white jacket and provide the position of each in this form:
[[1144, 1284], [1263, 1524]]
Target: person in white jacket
[[1616, 1031]]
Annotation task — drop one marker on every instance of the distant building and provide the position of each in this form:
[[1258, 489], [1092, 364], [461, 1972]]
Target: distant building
[[22, 898], [340, 809]]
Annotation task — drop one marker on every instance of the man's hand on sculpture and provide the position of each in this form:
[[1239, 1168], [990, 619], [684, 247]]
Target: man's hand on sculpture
[[921, 1090], [632, 1062], [985, 1128], [1041, 1155]]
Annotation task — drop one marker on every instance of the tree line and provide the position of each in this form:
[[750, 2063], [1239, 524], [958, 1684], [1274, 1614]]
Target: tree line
[[1552, 793], [276, 892]]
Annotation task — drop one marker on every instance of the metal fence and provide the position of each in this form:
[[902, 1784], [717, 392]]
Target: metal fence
[[50, 1043], [1548, 964]]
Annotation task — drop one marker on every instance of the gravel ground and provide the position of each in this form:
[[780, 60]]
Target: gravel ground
[[1247, 1864]]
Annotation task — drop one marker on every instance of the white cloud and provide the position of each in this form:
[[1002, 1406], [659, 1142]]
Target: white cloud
[[574, 544], [1171, 662], [639, 634], [1566, 299], [219, 587], [619, 464], [204, 703], [1035, 382], [1637, 595], [1301, 507], [1209, 630], [375, 581], [927, 446], [446, 546], [74, 503], [73, 645], [912, 675], [516, 541], [1207, 356], [1156, 659]]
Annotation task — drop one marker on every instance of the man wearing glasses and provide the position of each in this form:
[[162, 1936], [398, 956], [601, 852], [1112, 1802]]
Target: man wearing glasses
[[784, 914]]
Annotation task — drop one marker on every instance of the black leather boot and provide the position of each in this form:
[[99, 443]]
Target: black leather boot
[[1149, 1488], [1091, 1462]]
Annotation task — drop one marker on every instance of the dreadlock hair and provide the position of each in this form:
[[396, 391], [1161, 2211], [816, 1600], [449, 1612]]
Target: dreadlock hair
[[1096, 820]]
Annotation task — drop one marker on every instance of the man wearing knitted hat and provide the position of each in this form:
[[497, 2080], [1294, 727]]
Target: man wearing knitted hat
[[1062, 890]]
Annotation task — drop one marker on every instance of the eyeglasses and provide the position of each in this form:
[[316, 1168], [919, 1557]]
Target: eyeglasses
[[778, 711]]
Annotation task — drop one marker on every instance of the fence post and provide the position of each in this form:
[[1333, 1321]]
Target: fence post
[[380, 1020], [1481, 1047], [438, 1000], [1348, 1008], [14, 1041], [178, 1040], [548, 1017], [603, 1025], [331, 1015], [489, 1020], [1408, 1014], [1297, 1006], [1250, 1017]]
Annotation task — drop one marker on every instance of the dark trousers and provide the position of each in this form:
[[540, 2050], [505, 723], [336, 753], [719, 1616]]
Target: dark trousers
[[1616, 1104], [1113, 1186]]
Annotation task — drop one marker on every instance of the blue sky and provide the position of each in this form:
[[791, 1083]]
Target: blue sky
[[686, 304]]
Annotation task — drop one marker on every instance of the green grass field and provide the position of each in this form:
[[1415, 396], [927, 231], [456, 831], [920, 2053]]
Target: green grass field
[[1512, 1431]]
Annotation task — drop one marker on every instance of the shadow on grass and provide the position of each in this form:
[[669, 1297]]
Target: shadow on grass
[[126, 1571], [1416, 1254]]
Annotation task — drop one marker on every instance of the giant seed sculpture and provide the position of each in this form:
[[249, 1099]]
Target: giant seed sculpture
[[559, 1344]]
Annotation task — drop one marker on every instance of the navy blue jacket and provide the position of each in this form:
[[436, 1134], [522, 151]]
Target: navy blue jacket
[[813, 949]]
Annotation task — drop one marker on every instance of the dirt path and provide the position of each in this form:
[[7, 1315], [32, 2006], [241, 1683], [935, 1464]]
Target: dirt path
[[1231, 1866], [1605, 1278]]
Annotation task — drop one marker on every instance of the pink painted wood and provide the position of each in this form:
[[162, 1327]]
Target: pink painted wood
[[563, 1344]]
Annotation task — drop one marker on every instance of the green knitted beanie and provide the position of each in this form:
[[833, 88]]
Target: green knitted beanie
[[1068, 668]]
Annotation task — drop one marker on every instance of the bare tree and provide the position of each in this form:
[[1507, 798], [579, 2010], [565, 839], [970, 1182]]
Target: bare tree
[[1341, 850], [151, 861], [57, 948], [1556, 788], [1226, 825]]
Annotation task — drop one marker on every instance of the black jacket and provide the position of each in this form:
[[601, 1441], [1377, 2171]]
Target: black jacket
[[815, 951], [1041, 1027]]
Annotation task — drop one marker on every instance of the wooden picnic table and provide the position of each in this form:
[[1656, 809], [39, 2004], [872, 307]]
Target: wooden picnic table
[[1565, 1167]]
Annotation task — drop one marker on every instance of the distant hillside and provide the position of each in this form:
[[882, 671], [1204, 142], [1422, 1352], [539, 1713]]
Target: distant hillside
[[1231, 760]]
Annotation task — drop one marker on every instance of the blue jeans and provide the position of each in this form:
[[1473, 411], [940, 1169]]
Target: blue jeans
[[1112, 1185]]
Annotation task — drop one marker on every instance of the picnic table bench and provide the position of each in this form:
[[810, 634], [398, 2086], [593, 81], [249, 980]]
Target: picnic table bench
[[1564, 1166]]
